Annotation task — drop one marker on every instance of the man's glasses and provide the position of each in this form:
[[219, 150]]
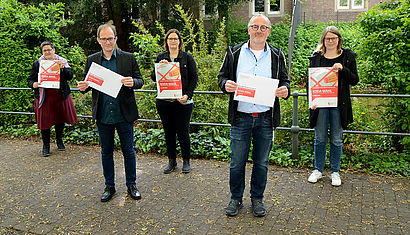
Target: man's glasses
[[107, 39], [256, 27], [172, 39], [331, 39]]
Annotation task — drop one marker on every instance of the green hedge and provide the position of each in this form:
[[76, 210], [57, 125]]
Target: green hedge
[[23, 28]]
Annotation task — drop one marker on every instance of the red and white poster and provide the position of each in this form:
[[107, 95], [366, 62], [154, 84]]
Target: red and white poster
[[323, 85], [49, 74], [256, 89], [168, 76]]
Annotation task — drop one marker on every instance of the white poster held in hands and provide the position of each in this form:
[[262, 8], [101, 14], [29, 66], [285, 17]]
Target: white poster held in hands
[[256, 89], [104, 80]]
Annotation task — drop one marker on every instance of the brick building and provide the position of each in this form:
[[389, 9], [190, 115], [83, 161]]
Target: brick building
[[310, 11]]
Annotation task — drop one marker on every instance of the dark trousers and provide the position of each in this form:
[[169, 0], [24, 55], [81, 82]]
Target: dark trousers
[[175, 119], [125, 131]]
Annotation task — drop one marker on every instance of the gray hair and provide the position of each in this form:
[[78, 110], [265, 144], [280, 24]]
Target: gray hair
[[107, 25], [260, 15]]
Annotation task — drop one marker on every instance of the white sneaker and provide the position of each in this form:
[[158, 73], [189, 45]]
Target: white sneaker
[[315, 176], [336, 179]]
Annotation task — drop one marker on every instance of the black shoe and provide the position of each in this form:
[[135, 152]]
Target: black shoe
[[172, 165], [233, 207], [134, 193], [60, 145], [258, 208], [186, 167], [108, 193], [46, 151]]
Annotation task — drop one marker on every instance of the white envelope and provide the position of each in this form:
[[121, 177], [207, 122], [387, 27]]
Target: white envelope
[[256, 89], [104, 80]]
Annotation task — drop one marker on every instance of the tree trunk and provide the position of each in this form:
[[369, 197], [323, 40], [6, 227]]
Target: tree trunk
[[114, 12]]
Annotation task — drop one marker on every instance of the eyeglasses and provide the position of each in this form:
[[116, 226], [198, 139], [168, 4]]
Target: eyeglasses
[[331, 39], [47, 50], [107, 39], [172, 39], [256, 27]]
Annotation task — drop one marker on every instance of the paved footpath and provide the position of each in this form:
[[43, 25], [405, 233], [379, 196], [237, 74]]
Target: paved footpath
[[61, 195]]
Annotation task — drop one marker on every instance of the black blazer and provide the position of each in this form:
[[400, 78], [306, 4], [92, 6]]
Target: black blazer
[[126, 66], [65, 75]]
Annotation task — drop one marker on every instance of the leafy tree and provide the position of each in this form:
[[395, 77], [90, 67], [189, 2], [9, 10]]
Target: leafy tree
[[385, 47], [23, 28]]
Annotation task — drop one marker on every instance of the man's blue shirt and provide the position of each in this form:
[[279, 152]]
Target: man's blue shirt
[[249, 64]]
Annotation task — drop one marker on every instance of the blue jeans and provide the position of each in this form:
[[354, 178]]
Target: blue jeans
[[246, 129], [328, 116], [125, 131]]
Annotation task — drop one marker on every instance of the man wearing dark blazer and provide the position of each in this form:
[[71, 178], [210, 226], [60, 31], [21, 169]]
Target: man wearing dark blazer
[[115, 113]]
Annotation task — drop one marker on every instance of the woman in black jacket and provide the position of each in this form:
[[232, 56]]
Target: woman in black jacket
[[330, 53], [176, 113], [52, 106]]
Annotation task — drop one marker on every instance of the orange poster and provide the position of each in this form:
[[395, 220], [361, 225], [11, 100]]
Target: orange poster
[[49, 74], [168, 76], [323, 86]]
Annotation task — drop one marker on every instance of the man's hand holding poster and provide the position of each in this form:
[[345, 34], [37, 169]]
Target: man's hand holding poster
[[256, 89], [49, 74], [168, 76], [104, 80], [323, 85]]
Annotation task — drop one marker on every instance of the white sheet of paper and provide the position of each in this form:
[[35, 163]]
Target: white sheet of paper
[[256, 89], [104, 80]]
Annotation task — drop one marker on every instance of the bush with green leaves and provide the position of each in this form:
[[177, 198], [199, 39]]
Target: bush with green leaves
[[385, 47], [23, 28], [207, 57]]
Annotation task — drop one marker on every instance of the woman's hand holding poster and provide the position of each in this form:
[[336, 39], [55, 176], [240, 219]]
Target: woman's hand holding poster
[[323, 85], [49, 74], [168, 78]]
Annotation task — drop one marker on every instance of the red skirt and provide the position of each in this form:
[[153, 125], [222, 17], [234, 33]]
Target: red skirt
[[54, 110]]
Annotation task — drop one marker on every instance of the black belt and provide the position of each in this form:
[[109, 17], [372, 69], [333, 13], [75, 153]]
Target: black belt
[[254, 114]]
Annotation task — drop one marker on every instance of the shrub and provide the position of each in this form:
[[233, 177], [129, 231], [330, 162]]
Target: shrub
[[385, 47]]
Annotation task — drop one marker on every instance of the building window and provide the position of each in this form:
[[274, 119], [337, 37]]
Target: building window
[[208, 12], [350, 4], [267, 7], [358, 4]]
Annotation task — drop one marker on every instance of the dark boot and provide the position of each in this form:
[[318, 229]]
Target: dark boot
[[59, 136], [45, 135], [186, 167], [172, 165]]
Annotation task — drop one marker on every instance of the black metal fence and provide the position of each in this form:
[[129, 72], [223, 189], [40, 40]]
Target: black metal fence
[[295, 129]]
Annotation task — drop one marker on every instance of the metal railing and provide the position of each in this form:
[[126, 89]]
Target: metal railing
[[295, 129]]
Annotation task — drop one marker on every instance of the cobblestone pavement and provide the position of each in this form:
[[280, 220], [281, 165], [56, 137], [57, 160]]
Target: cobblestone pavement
[[61, 194]]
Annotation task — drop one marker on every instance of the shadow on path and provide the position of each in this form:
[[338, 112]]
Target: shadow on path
[[60, 194]]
